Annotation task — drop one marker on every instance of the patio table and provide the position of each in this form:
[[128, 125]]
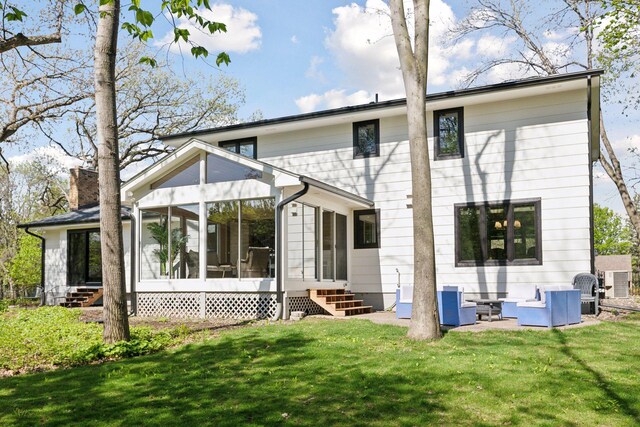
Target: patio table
[[487, 307]]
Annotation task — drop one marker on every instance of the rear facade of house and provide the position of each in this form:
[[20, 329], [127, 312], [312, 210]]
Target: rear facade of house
[[512, 201]]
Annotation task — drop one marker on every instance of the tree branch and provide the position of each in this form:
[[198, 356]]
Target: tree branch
[[20, 40]]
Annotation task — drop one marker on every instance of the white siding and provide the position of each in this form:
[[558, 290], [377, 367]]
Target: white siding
[[535, 147], [56, 260]]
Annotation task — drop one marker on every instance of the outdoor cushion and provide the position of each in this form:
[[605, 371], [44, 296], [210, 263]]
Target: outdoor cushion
[[520, 292], [544, 289], [531, 304], [517, 293], [406, 293]]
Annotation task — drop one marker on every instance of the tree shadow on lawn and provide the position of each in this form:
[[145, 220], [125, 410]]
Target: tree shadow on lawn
[[610, 394], [232, 381], [305, 375]]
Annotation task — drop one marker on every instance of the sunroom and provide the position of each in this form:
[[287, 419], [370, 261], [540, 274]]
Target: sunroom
[[209, 225]]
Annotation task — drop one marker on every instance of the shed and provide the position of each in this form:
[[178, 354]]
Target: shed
[[615, 270]]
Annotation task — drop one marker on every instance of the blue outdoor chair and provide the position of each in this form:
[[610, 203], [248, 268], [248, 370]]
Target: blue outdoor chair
[[404, 299], [558, 306], [452, 308]]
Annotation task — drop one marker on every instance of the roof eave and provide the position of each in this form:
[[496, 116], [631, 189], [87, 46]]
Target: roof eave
[[515, 84]]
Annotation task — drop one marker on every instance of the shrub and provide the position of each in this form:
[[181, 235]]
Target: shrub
[[54, 336]]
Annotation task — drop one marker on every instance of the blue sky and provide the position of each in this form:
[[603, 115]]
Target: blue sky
[[296, 56]]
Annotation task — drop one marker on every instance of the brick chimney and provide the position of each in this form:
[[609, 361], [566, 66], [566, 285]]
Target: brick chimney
[[84, 191]]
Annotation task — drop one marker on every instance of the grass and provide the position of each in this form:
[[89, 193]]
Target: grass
[[327, 372], [47, 337]]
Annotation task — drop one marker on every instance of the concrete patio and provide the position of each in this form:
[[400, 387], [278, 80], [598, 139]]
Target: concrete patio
[[389, 318]]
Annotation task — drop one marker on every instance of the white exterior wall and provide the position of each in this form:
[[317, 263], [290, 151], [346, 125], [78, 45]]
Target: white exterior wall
[[536, 147], [56, 259]]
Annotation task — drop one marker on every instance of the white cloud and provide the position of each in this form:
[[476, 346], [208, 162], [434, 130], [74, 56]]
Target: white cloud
[[243, 33], [562, 34], [494, 47], [332, 99], [294, 39], [313, 72], [362, 45], [52, 156]]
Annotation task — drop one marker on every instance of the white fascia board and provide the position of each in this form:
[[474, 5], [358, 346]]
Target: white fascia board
[[284, 179], [156, 170], [191, 148]]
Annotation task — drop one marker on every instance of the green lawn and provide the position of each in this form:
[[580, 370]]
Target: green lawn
[[325, 373]]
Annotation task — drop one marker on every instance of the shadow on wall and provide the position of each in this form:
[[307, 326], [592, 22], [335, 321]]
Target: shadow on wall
[[479, 170]]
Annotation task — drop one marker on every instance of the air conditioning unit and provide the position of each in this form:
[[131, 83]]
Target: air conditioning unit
[[616, 284]]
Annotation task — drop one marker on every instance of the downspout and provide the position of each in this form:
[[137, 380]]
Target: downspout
[[43, 246], [279, 272], [591, 163], [132, 266]]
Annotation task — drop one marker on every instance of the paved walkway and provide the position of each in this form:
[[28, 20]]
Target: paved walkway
[[389, 318]]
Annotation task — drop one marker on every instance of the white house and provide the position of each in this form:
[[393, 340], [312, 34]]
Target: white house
[[512, 203]]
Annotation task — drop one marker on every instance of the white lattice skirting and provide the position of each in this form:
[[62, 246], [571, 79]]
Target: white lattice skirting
[[304, 304], [258, 305]]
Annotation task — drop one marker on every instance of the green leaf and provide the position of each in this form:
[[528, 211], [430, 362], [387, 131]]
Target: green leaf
[[144, 17], [180, 33], [16, 15], [223, 57], [79, 8], [199, 50], [150, 61], [103, 2], [145, 35], [217, 26]]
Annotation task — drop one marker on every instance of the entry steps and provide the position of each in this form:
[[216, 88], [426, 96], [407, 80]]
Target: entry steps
[[82, 297], [338, 302]]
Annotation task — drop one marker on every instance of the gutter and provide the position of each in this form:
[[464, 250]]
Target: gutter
[[43, 246], [279, 270]]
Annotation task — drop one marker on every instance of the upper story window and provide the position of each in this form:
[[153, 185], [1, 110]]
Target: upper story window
[[500, 233], [247, 146], [366, 139], [366, 227], [448, 128]]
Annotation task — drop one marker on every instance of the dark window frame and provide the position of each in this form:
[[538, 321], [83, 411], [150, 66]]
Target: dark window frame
[[509, 206], [436, 134], [357, 233], [356, 150], [241, 141], [85, 232]]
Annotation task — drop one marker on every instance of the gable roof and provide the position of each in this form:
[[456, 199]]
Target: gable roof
[[282, 177]]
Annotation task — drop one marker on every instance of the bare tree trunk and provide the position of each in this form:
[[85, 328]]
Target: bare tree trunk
[[116, 322], [425, 323], [614, 171]]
